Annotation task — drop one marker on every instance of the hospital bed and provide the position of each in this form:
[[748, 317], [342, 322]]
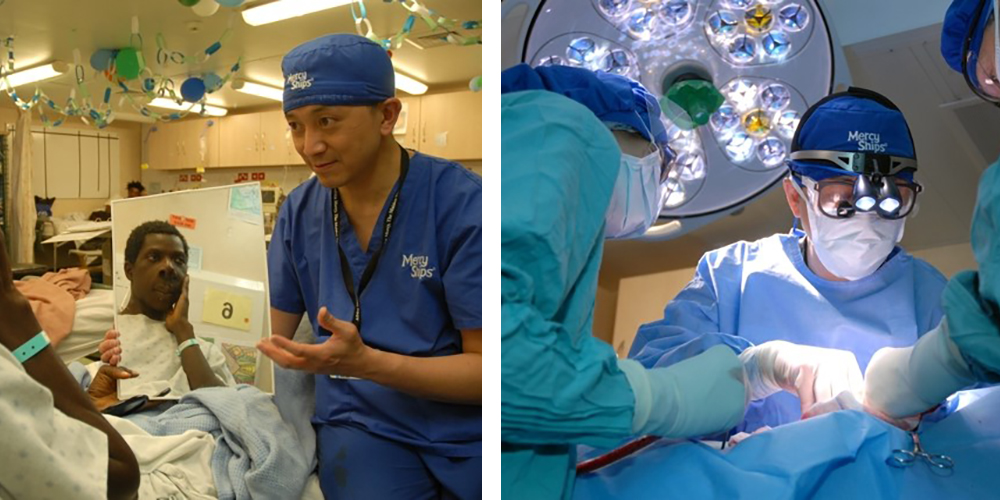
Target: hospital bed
[[833, 456], [95, 315]]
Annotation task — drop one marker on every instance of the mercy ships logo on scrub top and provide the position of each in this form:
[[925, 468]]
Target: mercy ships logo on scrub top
[[418, 266], [299, 81]]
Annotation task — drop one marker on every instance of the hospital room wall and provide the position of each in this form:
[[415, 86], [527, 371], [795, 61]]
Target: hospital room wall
[[129, 159], [641, 299]]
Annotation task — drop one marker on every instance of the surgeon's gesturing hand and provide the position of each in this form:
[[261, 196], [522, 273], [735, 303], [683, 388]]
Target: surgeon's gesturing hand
[[342, 354], [812, 373]]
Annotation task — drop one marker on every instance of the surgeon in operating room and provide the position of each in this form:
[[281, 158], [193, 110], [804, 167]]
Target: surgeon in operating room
[[965, 348], [812, 307], [568, 184]]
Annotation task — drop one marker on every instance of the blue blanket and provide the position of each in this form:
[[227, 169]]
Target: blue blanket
[[257, 454], [834, 456]]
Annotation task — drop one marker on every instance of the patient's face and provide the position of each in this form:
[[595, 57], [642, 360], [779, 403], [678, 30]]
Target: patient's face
[[158, 272]]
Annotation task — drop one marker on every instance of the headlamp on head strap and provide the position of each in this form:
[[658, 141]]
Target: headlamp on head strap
[[860, 163], [874, 189]]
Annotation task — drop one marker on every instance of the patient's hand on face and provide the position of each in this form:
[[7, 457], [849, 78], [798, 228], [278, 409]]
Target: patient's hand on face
[[103, 389]]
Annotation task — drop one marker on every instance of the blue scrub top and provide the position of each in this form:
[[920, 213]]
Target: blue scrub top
[[426, 288], [752, 292]]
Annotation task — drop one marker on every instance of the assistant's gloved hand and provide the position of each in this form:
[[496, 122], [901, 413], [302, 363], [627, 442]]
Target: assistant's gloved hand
[[812, 373], [701, 395], [906, 381]]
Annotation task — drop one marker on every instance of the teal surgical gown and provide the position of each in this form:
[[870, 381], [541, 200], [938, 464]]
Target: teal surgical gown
[[748, 293], [972, 298], [559, 385]]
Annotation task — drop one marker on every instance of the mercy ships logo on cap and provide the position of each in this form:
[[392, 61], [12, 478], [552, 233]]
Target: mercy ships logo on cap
[[299, 81], [867, 141]]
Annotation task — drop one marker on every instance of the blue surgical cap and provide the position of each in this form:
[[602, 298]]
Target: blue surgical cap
[[337, 70], [957, 23], [614, 99], [851, 122]]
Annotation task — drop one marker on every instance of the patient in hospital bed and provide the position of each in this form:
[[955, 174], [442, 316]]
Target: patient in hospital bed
[[154, 323]]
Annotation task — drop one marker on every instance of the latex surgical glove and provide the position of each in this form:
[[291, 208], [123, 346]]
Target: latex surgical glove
[[906, 381], [812, 373], [701, 395]]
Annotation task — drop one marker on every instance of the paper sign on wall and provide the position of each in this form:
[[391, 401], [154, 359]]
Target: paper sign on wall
[[245, 204], [228, 309], [185, 222]]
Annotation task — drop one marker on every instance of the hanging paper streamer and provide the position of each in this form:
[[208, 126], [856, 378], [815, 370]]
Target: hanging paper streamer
[[417, 10], [121, 68]]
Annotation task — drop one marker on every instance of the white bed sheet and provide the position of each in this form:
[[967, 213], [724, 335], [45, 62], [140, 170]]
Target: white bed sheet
[[95, 315]]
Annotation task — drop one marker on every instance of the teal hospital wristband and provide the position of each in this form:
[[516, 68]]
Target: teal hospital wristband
[[32, 347], [187, 343]]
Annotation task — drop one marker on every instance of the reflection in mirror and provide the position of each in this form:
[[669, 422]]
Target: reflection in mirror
[[191, 288]]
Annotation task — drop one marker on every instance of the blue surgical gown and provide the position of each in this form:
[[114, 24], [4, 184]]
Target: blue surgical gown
[[426, 288], [748, 293], [559, 384], [972, 299]]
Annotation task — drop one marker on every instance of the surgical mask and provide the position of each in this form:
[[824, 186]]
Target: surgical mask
[[637, 197], [850, 248]]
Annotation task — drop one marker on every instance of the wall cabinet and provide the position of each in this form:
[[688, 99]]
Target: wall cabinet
[[452, 125], [177, 145], [257, 139], [73, 164], [448, 125]]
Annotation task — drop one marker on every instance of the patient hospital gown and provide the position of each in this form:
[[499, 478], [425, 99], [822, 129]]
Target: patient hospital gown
[[150, 349], [751, 292], [46, 454]]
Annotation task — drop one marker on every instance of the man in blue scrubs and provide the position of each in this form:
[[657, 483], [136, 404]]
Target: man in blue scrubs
[[813, 306], [382, 249]]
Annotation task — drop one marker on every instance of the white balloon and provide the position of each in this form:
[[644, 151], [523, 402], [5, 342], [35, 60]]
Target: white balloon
[[205, 8]]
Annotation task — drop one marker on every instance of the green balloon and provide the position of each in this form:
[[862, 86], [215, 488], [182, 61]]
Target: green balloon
[[129, 63], [188, 3]]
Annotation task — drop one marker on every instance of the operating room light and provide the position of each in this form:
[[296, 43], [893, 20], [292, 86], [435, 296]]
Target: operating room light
[[675, 12], [776, 45], [163, 102], [410, 85], [640, 23], [723, 23], [786, 123], [665, 43], [775, 97], [743, 49], [771, 152], [793, 17], [582, 51], [614, 8], [618, 62], [287, 9], [740, 147], [725, 119], [36, 74]]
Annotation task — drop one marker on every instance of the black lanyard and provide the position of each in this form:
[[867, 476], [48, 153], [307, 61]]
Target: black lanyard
[[345, 267]]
